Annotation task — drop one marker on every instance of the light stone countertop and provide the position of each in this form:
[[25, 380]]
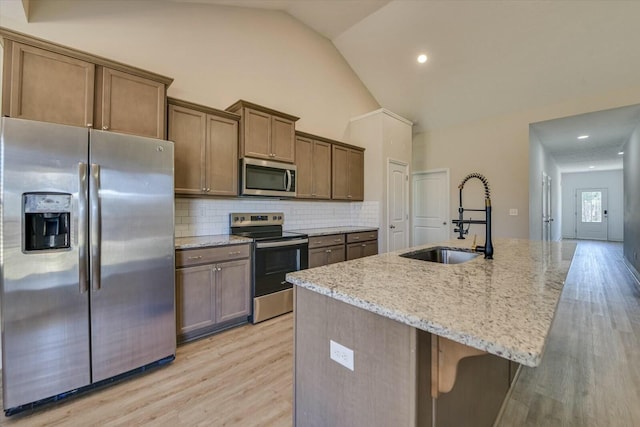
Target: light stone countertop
[[213, 240], [504, 306], [313, 232]]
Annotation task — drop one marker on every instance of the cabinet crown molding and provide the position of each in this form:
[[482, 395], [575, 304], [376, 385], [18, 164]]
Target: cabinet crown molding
[[302, 134], [246, 104], [203, 108]]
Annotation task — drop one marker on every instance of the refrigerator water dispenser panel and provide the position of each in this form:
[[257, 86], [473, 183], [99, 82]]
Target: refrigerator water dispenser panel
[[46, 221]]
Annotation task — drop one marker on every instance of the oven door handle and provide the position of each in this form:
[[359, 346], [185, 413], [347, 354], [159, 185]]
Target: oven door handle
[[284, 243]]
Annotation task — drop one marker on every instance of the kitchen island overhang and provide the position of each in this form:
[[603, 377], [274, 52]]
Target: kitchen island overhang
[[504, 307]]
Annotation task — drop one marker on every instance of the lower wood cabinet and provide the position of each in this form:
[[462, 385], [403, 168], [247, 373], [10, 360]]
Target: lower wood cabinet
[[325, 250], [362, 244], [213, 289]]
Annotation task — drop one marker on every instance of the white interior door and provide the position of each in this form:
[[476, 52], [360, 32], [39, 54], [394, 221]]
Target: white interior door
[[591, 213], [546, 207], [397, 205], [430, 207]]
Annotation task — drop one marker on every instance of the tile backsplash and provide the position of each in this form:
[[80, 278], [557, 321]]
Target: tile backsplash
[[201, 217]]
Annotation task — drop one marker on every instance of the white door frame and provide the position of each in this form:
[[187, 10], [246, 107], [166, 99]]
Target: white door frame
[[406, 201], [447, 195], [605, 209]]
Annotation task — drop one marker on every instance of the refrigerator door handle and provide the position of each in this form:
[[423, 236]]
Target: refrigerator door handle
[[83, 259], [94, 188]]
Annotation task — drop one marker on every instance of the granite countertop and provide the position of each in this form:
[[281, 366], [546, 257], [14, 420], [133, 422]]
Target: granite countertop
[[213, 240], [503, 306], [312, 232]]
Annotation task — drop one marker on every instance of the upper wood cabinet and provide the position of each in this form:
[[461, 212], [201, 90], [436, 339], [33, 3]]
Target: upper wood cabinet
[[206, 149], [313, 163], [127, 103], [46, 86], [265, 133], [48, 82], [347, 173]]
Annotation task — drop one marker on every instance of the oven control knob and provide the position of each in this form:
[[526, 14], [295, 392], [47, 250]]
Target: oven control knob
[[275, 217], [235, 219], [279, 217], [241, 218]]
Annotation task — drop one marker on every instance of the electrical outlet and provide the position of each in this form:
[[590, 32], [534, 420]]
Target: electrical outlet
[[513, 212], [341, 354]]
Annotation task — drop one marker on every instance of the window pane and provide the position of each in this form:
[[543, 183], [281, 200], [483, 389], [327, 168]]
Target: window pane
[[592, 206]]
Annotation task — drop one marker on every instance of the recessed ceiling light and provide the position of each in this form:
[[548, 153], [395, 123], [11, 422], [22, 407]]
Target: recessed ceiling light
[[583, 137], [592, 167], [422, 58], [620, 153]]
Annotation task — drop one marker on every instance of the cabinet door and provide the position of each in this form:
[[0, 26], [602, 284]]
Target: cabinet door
[[282, 139], [257, 134], [131, 104], [354, 251], [233, 293], [321, 170], [195, 296], [187, 129], [222, 156], [340, 173], [318, 257], [335, 254], [49, 87], [304, 167], [356, 175], [370, 248]]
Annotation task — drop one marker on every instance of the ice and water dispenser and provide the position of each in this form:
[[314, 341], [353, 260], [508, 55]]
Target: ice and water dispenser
[[47, 221]]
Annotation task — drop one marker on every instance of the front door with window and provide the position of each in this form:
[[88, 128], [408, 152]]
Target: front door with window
[[591, 213]]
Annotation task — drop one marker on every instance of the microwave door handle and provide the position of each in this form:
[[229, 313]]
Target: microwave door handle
[[287, 180]]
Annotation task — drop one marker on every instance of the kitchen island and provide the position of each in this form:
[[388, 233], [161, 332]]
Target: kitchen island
[[386, 340]]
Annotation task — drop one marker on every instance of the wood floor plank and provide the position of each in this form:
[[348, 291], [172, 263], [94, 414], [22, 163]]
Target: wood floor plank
[[240, 377], [589, 375]]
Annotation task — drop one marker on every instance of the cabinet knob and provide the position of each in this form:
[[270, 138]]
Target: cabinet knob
[[208, 189], [195, 257], [204, 190], [235, 253], [349, 196], [89, 125], [105, 127], [328, 251], [364, 245], [219, 269]]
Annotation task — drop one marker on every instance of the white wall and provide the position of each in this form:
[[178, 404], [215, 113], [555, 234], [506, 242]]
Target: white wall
[[498, 147], [613, 182], [540, 161], [216, 54]]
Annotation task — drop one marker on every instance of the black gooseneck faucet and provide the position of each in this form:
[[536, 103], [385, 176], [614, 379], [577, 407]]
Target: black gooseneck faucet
[[487, 249]]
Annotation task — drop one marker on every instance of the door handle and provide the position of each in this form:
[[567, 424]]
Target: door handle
[[392, 226], [83, 260], [94, 188], [287, 181], [444, 223]]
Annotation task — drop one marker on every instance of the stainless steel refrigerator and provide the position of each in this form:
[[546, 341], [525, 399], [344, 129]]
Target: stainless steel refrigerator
[[87, 258]]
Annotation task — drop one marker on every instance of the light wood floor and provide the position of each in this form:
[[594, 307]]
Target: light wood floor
[[589, 376], [240, 377], [590, 372]]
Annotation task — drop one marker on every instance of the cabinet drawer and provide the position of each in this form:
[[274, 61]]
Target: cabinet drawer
[[362, 236], [186, 257], [322, 241]]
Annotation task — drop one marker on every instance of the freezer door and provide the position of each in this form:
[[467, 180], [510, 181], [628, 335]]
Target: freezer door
[[45, 305], [132, 252]]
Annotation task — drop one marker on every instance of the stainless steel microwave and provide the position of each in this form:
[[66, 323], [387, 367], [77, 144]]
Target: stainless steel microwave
[[267, 178]]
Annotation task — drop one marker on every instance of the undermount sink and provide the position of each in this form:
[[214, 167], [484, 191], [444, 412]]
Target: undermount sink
[[442, 255]]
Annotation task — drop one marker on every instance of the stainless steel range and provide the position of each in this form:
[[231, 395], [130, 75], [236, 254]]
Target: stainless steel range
[[275, 253]]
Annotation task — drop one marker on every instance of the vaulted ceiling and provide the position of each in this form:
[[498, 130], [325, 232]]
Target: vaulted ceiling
[[486, 58]]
